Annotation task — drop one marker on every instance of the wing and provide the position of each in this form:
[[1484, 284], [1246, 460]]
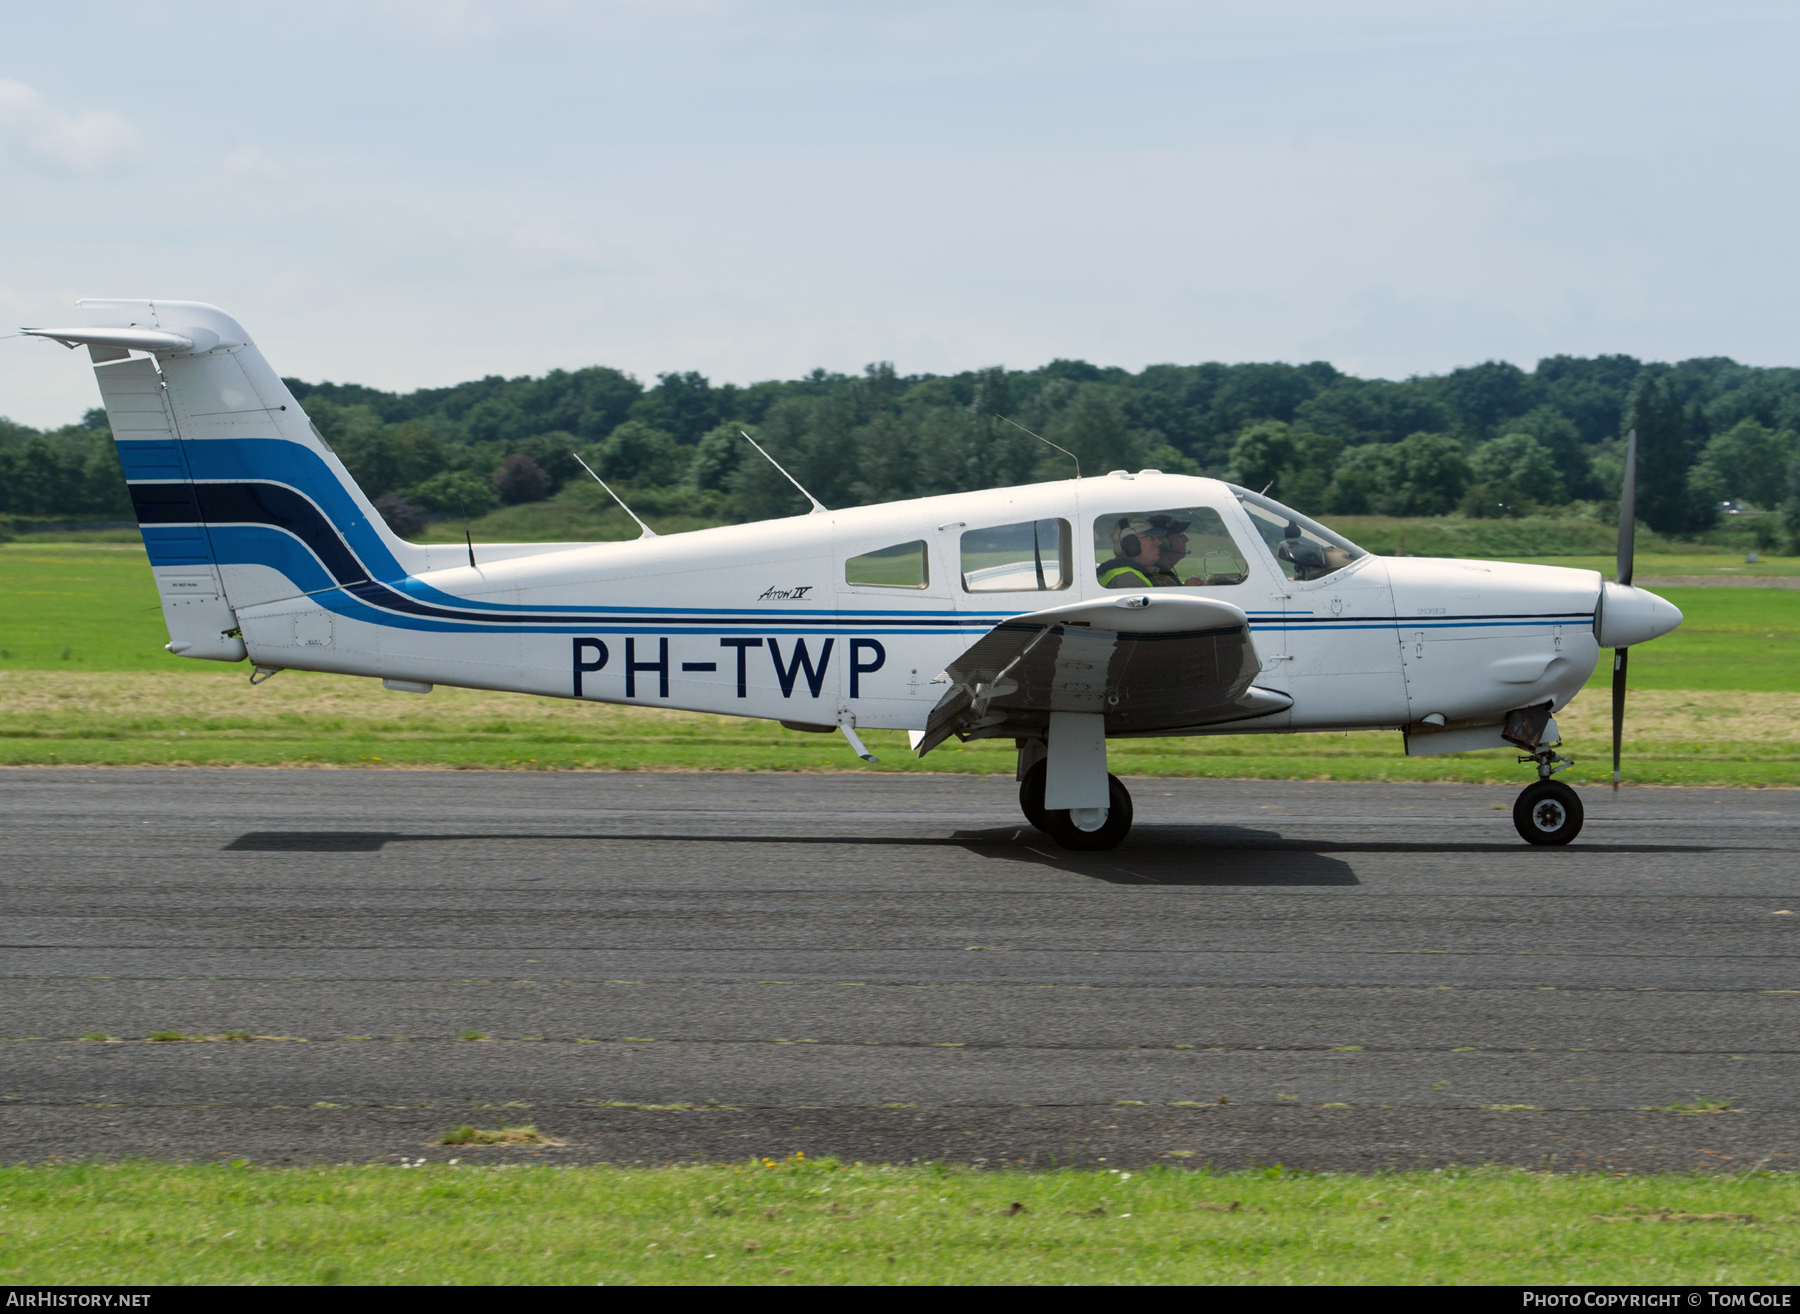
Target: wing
[[1151, 664]]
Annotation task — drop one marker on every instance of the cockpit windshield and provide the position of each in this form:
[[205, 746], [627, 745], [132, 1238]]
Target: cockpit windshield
[[1305, 548]]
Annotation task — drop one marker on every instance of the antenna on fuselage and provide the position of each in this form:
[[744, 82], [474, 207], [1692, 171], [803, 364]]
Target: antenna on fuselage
[[648, 532], [1040, 437], [818, 506], [468, 538]]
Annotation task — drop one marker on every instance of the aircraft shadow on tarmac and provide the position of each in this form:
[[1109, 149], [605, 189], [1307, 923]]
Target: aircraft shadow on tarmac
[[1169, 855], [1155, 855], [1219, 855]]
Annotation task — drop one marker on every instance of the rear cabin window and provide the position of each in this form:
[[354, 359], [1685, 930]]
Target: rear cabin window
[[1031, 556], [903, 566], [1167, 548]]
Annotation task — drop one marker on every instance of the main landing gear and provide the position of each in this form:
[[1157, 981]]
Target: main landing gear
[[1064, 788], [1064, 825], [1548, 812]]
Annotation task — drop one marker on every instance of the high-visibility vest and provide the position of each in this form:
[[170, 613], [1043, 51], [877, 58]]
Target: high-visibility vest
[[1122, 574]]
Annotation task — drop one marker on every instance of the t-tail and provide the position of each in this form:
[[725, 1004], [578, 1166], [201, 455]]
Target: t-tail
[[239, 497]]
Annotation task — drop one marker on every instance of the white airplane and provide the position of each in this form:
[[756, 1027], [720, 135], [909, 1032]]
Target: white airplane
[[1058, 615]]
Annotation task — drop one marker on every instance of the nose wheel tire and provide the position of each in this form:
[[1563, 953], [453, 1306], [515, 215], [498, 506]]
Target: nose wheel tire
[[1060, 827], [1548, 812]]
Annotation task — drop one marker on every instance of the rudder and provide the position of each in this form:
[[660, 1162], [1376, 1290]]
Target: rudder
[[201, 622]]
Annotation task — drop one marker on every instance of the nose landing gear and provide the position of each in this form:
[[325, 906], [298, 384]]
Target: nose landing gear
[[1548, 812]]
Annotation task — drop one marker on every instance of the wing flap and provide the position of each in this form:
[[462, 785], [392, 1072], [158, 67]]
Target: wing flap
[[1146, 663]]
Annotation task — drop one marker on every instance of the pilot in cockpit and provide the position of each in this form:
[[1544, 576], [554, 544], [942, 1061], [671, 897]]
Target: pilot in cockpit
[[1145, 550]]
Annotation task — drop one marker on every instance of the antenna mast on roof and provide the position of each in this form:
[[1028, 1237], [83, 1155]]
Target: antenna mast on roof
[[648, 532], [468, 538], [1040, 437], [818, 506]]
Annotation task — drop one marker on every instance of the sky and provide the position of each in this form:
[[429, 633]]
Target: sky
[[409, 194]]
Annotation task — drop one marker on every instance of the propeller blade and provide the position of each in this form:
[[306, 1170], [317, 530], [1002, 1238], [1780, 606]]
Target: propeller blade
[[1628, 510], [1627, 553], [1619, 658]]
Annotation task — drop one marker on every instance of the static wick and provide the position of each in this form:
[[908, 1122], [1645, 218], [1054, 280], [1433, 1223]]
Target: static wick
[[817, 505], [648, 532], [1040, 437]]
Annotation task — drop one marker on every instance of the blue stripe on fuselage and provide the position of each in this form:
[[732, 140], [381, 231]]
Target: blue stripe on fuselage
[[276, 503]]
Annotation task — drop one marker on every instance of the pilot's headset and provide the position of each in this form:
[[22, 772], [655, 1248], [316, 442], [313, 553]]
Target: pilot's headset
[[1129, 543]]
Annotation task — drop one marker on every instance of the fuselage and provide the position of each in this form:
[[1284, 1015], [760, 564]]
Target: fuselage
[[1055, 614], [848, 616]]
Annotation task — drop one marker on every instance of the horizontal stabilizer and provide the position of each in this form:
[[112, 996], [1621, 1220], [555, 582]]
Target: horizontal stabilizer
[[186, 342]]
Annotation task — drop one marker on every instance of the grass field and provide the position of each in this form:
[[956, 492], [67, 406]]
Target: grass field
[[1537, 537], [792, 1221], [84, 680], [51, 718], [1661, 565]]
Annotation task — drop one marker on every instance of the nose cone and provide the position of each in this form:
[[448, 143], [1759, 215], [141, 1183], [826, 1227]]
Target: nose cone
[[1664, 617], [1629, 616]]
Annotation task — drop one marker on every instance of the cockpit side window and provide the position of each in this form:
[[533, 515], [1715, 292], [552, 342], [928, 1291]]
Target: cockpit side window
[[902, 566], [1188, 546], [1305, 549], [1033, 555]]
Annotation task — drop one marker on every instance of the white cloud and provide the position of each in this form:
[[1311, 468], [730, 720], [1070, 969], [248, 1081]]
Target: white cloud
[[252, 161], [424, 192], [552, 250], [37, 134]]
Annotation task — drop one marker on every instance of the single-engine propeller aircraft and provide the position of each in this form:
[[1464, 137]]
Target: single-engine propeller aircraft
[[1058, 615]]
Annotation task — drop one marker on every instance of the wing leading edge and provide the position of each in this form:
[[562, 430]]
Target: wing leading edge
[[1149, 664]]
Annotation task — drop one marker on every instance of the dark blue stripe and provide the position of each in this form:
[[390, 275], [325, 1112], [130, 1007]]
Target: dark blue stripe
[[280, 507], [165, 504], [377, 594], [275, 461]]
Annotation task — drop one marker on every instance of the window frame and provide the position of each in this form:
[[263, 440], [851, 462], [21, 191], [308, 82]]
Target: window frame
[[924, 586], [1225, 516], [1244, 497], [1065, 556]]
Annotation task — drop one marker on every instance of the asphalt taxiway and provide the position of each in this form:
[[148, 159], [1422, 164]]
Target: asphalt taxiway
[[715, 966]]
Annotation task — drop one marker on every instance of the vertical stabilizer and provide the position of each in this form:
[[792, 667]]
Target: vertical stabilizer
[[240, 499]]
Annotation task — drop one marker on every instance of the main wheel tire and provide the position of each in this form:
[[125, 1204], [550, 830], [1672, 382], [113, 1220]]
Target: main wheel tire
[[1056, 824], [1031, 800], [1548, 812]]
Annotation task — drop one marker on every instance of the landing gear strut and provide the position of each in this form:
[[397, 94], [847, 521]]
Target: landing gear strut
[[1548, 812], [1062, 827]]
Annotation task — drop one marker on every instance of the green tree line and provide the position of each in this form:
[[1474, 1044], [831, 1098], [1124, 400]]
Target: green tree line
[[1486, 440]]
